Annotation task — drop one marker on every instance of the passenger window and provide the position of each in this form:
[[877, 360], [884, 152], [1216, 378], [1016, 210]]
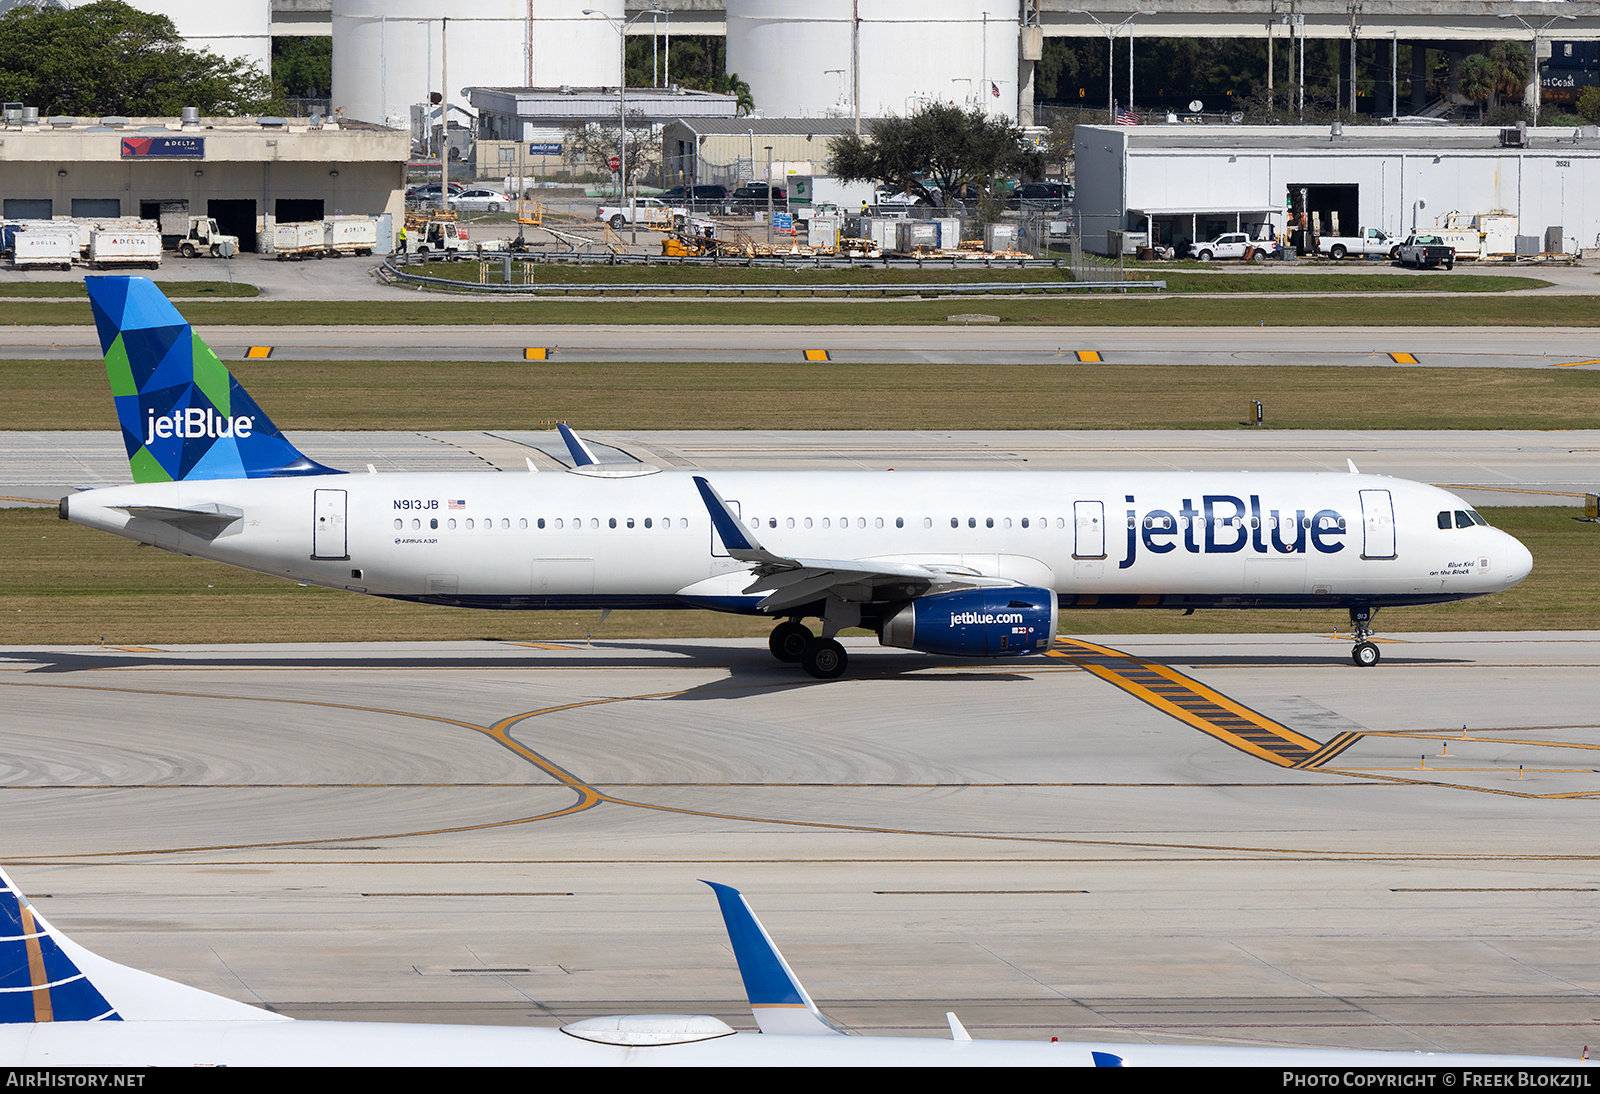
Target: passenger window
[[541, 523], [988, 522], [955, 522], [789, 523], [451, 522], [523, 523], [433, 523], [1025, 522], [470, 525], [972, 522], [772, 522], [877, 522], [398, 524], [899, 522], [630, 522]]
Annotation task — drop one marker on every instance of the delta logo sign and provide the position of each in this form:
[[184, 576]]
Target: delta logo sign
[[189, 148]]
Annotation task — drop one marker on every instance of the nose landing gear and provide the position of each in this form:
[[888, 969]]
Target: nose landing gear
[[1366, 653]]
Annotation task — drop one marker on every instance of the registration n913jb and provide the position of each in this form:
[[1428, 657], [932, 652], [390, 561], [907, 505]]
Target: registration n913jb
[[971, 564]]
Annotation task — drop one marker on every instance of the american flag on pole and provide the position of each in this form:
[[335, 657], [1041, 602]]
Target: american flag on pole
[[1126, 117], [994, 89]]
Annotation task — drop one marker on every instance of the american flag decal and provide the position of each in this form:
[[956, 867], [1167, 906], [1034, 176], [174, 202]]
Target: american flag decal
[[457, 503]]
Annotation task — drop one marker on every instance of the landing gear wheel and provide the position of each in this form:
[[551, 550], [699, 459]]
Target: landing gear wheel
[[788, 641], [1365, 654], [824, 658]]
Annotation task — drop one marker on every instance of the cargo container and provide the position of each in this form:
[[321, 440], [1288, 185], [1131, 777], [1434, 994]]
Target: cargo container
[[302, 240], [139, 247], [350, 235], [42, 247], [916, 235]]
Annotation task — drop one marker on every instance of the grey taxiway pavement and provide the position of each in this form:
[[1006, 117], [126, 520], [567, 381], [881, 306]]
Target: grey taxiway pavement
[[954, 343], [512, 833]]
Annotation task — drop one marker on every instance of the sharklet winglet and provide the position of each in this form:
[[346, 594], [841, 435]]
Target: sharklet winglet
[[581, 456], [779, 1002]]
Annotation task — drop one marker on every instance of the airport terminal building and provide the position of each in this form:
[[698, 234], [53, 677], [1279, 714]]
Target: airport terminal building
[[246, 172], [1188, 183]]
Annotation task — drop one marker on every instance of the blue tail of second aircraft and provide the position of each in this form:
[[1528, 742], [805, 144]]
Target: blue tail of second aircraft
[[183, 415]]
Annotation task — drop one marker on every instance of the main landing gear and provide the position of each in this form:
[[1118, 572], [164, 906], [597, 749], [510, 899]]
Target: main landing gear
[[792, 641], [1366, 653]]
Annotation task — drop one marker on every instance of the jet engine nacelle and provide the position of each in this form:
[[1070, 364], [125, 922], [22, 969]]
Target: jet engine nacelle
[[994, 622]]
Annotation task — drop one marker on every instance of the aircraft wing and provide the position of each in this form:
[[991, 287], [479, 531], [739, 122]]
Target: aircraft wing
[[791, 582]]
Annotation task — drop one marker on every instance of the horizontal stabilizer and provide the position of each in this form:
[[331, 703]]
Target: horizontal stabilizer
[[208, 521], [780, 1004]]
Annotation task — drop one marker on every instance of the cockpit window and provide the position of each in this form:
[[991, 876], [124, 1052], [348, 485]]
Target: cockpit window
[[1463, 519], [1477, 518], [1444, 519]]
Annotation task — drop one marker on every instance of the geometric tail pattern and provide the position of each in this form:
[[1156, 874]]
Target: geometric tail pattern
[[39, 983], [182, 413]]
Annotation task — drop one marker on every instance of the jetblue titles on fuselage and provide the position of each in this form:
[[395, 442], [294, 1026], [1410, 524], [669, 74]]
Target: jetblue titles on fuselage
[[1227, 529]]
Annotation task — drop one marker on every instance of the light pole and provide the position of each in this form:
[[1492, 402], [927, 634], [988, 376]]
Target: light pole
[[1534, 89], [1111, 37], [621, 27]]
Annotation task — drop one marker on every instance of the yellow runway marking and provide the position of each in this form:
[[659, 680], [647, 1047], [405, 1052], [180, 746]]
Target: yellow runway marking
[[543, 646], [1575, 364], [36, 501], [258, 351], [1192, 702], [1508, 489], [817, 355], [1088, 356], [1403, 358]]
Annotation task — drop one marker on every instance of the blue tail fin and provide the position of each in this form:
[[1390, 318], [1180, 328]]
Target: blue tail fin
[[183, 415], [38, 982], [777, 998]]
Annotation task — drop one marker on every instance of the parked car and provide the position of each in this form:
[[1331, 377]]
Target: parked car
[[1425, 252], [753, 196], [1234, 245], [1040, 196], [708, 196], [429, 191], [480, 199]]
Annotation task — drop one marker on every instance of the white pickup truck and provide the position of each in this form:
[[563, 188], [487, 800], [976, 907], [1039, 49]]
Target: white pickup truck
[[1234, 245], [644, 213], [1372, 241]]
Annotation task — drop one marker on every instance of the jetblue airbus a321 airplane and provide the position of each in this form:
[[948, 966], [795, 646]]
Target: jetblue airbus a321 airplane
[[64, 1006], [974, 564]]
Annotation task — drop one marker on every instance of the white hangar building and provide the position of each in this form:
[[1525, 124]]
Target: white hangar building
[[1194, 182]]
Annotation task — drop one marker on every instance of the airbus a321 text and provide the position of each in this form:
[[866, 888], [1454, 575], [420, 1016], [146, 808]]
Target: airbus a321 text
[[975, 564], [64, 1006]]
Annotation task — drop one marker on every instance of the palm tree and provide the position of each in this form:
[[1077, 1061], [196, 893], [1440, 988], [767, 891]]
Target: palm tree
[[1510, 61], [1477, 80]]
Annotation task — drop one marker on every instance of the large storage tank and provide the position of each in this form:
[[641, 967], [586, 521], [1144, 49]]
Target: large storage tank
[[797, 57], [387, 54], [236, 29]]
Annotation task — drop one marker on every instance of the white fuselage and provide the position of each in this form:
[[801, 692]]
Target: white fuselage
[[375, 1044], [1097, 539]]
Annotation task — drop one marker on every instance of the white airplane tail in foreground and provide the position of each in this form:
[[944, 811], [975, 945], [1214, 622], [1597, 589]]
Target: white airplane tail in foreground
[[957, 564], [63, 1006]]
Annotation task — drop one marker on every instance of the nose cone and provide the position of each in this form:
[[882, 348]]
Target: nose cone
[[1519, 561]]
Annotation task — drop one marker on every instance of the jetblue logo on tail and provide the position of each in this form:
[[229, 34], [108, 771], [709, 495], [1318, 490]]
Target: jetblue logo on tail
[[196, 422], [183, 414]]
